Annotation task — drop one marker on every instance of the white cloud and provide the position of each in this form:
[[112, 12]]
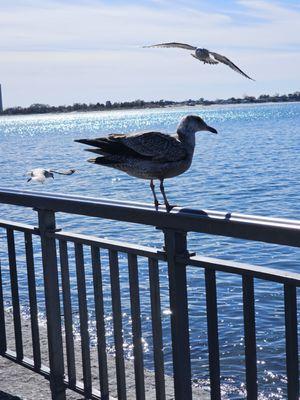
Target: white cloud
[[61, 53]]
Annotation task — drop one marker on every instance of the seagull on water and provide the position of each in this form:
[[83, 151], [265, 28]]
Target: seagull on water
[[150, 155], [204, 55], [40, 174]]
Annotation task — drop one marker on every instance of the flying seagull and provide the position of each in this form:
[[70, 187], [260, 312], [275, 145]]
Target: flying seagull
[[40, 174], [150, 155], [208, 57]]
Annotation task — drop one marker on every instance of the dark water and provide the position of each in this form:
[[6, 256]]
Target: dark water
[[251, 167]]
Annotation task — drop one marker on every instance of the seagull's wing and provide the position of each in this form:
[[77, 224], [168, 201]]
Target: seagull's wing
[[37, 172], [37, 175], [230, 64], [148, 145], [157, 145], [67, 172], [173, 44]]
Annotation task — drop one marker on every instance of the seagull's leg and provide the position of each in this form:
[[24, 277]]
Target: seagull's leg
[[156, 203], [162, 189]]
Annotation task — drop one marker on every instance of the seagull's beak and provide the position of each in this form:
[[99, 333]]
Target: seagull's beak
[[210, 129]]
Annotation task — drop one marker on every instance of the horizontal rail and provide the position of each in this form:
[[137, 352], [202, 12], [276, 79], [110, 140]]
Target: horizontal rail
[[45, 372], [269, 274], [108, 244], [269, 230], [175, 225], [90, 240], [17, 226]]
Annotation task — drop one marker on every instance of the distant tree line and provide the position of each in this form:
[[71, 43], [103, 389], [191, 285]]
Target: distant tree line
[[38, 108]]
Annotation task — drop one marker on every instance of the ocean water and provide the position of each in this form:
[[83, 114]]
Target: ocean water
[[252, 166]]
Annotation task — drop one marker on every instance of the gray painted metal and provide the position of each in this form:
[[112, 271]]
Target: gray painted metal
[[233, 267], [110, 244], [67, 305], [269, 230], [212, 333], [136, 326], [175, 243], [117, 323], [49, 257], [45, 372], [17, 226], [158, 354], [292, 358], [15, 292], [32, 300], [250, 337], [83, 316], [100, 324], [3, 345], [175, 226]]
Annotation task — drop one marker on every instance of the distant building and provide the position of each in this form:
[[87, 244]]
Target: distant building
[[1, 104]]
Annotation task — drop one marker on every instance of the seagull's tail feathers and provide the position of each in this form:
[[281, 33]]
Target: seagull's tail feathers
[[108, 161], [90, 142], [108, 146], [98, 151]]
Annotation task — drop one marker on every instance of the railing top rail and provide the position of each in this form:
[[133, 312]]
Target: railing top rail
[[270, 230], [233, 267]]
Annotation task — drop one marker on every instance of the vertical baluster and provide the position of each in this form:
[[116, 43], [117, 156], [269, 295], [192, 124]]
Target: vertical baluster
[[3, 346], [15, 292], [212, 333], [175, 244], [100, 325], [55, 347], [157, 330], [32, 301], [136, 326], [291, 337], [250, 337], [65, 280], [117, 322], [83, 314]]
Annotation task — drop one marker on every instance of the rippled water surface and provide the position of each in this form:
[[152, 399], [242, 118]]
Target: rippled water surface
[[252, 166]]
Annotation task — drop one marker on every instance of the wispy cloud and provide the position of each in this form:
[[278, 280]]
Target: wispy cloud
[[60, 52]]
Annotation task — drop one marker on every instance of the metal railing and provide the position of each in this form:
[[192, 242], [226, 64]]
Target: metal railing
[[175, 226]]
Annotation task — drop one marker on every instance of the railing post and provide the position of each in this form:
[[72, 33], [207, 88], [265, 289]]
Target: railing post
[[56, 361], [176, 246]]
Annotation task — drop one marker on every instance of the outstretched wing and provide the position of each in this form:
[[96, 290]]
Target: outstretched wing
[[230, 64], [154, 146], [173, 44], [67, 172]]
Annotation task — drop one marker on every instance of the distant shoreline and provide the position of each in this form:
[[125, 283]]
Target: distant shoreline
[[38, 108]]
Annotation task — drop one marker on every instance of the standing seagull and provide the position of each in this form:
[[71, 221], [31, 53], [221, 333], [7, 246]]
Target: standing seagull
[[40, 174], [150, 155], [208, 57]]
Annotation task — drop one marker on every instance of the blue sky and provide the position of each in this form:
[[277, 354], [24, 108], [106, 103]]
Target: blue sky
[[61, 52]]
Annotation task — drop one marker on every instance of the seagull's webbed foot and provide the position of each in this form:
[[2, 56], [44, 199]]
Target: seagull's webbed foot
[[169, 206]]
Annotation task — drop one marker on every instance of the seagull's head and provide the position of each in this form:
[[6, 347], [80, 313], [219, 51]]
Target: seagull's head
[[193, 123]]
